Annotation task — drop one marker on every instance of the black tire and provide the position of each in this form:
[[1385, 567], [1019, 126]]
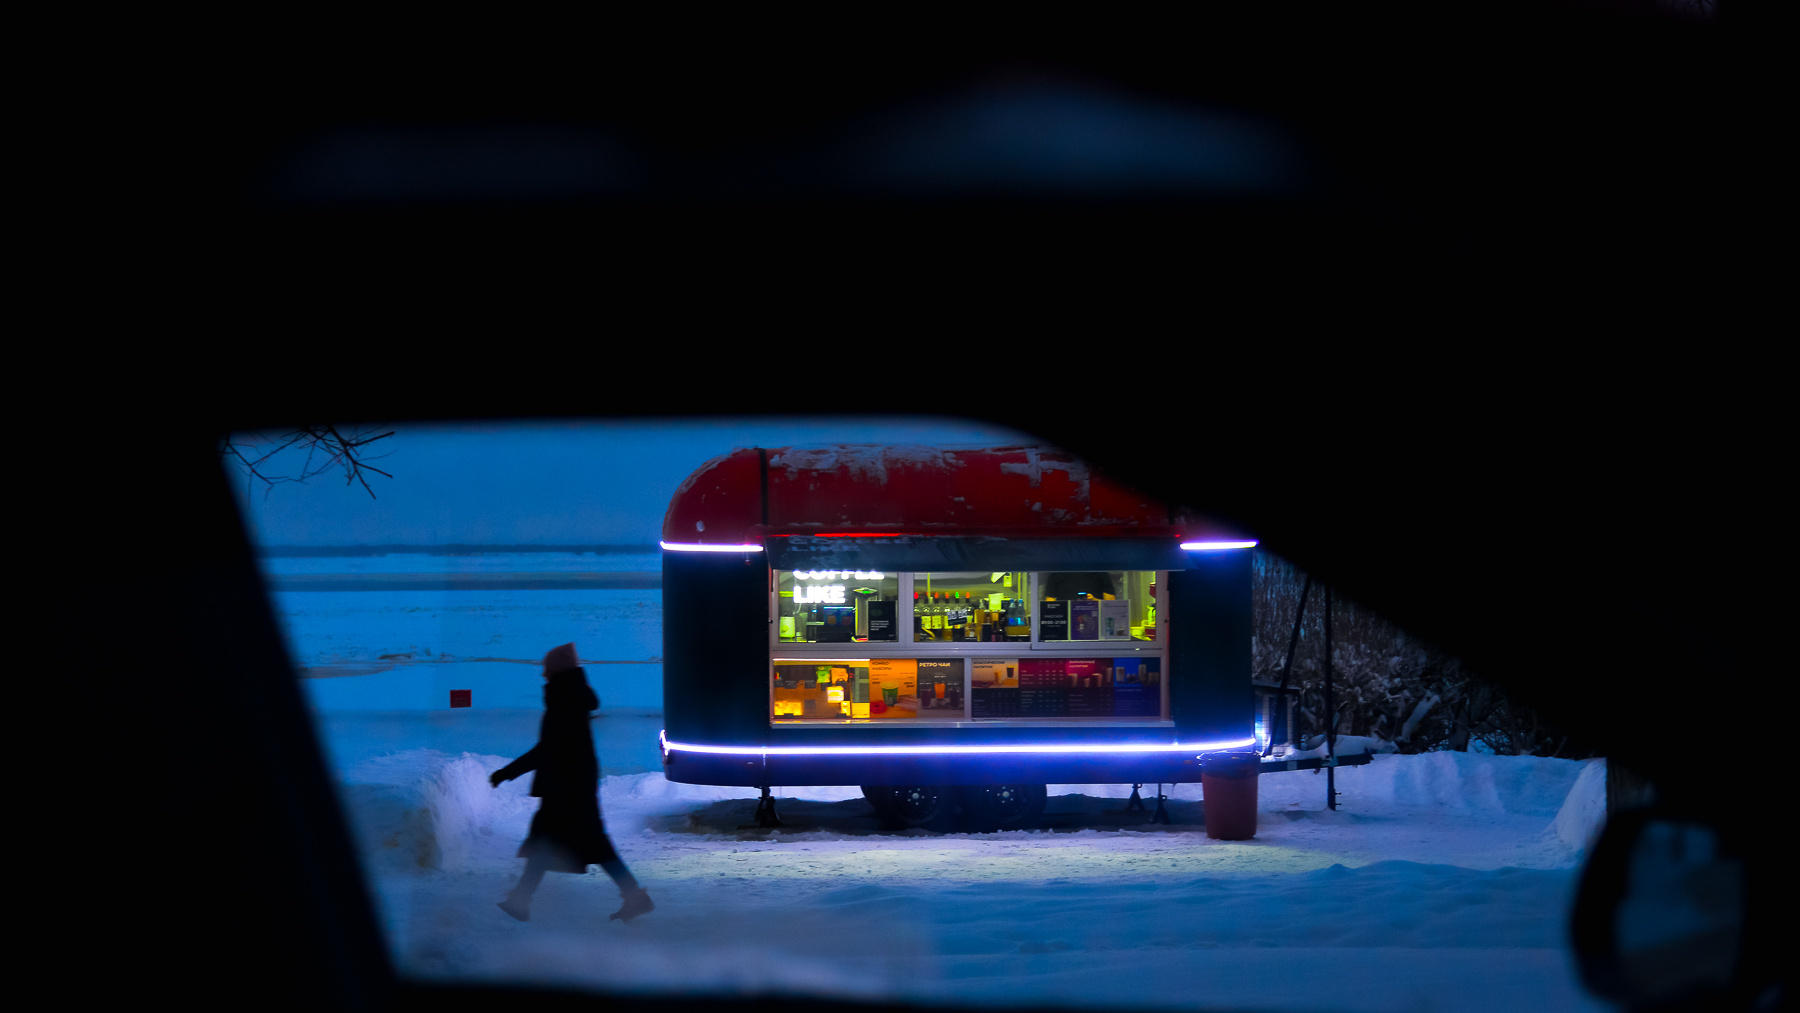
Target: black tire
[[921, 805], [881, 798], [1004, 806]]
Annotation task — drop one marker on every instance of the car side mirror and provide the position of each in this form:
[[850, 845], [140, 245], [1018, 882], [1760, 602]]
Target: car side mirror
[[1663, 916]]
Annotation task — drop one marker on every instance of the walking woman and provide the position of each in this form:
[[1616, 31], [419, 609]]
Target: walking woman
[[567, 834]]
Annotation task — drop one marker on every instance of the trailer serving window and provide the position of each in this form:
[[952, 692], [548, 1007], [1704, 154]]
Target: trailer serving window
[[837, 606], [981, 646]]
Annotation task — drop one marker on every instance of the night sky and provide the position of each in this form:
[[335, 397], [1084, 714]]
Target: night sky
[[543, 483]]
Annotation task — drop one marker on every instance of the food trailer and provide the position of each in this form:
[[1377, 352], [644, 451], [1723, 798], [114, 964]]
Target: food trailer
[[951, 630]]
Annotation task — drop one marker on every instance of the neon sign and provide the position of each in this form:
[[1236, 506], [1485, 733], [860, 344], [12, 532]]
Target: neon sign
[[838, 575], [830, 594]]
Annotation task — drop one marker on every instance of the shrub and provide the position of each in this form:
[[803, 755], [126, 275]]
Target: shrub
[[1386, 683]]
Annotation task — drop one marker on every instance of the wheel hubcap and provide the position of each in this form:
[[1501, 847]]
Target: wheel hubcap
[[916, 801], [1009, 801]]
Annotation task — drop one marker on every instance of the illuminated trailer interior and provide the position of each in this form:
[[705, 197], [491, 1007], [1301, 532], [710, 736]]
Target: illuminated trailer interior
[[950, 630]]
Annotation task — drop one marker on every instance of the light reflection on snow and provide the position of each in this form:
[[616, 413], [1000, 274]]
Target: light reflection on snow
[[1449, 872]]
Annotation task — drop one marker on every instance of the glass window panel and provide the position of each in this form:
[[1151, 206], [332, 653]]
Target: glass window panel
[[1042, 687], [868, 689], [837, 606], [1098, 605], [971, 607]]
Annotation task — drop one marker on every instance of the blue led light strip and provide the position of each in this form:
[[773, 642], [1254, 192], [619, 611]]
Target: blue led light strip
[[1119, 748], [691, 547]]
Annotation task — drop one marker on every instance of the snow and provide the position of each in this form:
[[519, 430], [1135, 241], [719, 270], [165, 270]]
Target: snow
[[495, 562], [1442, 881], [423, 644]]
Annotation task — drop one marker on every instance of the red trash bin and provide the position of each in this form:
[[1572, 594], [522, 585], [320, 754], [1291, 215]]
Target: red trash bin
[[1228, 794]]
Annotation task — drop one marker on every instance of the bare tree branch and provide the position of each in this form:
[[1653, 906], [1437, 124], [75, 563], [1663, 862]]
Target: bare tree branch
[[326, 448]]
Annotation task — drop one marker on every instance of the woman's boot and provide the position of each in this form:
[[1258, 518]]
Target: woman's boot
[[637, 902]]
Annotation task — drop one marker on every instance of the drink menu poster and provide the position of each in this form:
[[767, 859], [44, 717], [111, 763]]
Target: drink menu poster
[[991, 702], [1089, 703], [881, 621], [1089, 673], [1043, 673], [1090, 687], [1137, 687], [1043, 703], [1001, 674], [893, 688], [1115, 620], [1084, 619], [940, 688]]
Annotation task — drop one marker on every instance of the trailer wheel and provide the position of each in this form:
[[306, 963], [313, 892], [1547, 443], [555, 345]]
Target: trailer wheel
[[1004, 806], [881, 798], [919, 805]]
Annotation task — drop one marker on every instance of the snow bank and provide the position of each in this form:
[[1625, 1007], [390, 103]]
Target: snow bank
[[1466, 783], [1347, 745], [423, 809], [1583, 813], [1450, 781], [477, 824]]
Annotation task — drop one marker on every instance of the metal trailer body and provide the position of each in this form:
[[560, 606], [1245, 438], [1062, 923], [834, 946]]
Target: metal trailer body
[[743, 519]]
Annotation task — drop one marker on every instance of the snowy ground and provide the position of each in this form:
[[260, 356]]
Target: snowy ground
[[1443, 882]]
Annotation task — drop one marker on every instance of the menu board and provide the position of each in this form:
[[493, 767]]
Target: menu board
[[1089, 673], [1043, 688], [1067, 688], [1053, 620], [1137, 687], [940, 688], [1043, 673], [887, 689], [1001, 673], [1043, 703], [893, 688], [994, 702], [994, 688]]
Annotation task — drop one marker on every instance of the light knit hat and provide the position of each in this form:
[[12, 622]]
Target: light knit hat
[[560, 658]]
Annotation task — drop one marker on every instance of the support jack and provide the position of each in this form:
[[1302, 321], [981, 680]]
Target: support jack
[[1137, 801], [765, 810], [1162, 814]]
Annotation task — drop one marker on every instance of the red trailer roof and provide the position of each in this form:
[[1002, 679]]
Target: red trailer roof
[[1008, 492]]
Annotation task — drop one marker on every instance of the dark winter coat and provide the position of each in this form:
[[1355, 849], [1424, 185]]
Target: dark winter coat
[[564, 755], [567, 832]]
